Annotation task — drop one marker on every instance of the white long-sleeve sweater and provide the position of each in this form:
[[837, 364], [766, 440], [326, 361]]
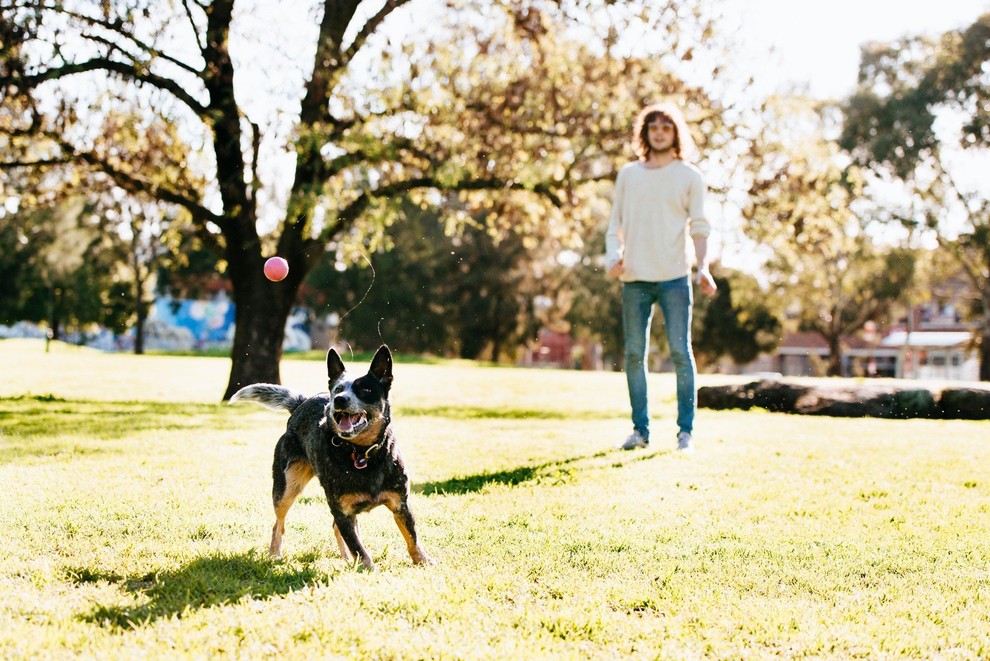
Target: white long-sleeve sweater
[[654, 212]]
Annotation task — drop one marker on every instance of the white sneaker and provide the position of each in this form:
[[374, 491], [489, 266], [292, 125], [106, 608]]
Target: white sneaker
[[685, 444], [634, 441]]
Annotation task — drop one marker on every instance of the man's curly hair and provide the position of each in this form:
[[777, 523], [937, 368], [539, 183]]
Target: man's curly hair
[[641, 131]]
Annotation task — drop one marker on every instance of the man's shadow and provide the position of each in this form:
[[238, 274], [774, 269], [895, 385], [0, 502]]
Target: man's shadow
[[205, 582], [552, 472]]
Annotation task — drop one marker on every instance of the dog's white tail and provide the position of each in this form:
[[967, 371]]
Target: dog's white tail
[[269, 395]]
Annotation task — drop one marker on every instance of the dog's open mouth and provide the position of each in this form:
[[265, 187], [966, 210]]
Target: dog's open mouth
[[350, 424]]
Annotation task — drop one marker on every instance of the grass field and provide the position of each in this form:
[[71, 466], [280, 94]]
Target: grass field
[[137, 515]]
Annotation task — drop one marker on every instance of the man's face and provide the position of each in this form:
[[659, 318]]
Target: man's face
[[660, 132]]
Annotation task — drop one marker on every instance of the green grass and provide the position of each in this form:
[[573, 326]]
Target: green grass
[[137, 514]]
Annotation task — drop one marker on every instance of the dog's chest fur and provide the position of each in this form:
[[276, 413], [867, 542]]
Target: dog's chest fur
[[309, 436]]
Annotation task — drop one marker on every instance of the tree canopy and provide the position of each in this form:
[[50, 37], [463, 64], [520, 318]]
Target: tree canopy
[[520, 106], [824, 263], [919, 101]]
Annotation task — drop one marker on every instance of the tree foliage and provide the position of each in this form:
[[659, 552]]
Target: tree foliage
[[823, 261], [896, 126], [527, 102], [738, 321], [62, 268], [438, 291]]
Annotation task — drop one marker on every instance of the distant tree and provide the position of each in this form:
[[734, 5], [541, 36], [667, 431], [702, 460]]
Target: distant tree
[[596, 312], [24, 294], [520, 99], [399, 294], [147, 237], [424, 290], [737, 321], [908, 89], [487, 299], [823, 261], [64, 268]]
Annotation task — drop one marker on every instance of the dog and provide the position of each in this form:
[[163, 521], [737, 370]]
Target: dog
[[343, 437]]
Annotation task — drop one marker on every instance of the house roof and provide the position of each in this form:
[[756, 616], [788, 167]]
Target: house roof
[[805, 340], [935, 339]]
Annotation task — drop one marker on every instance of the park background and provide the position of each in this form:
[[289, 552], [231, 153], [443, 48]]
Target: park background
[[438, 175]]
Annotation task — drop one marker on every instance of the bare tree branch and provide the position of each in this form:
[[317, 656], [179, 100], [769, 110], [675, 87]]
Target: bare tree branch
[[134, 184], [13, 165], [370, 27], [192, 23], [117, 28], [127, 71]]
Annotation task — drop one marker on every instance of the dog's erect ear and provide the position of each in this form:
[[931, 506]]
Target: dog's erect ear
[[335, 367], [381, 366]]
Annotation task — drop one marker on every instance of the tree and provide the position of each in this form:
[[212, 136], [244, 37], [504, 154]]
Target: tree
[[424, 290], [398, 294], [23, 295], [737, 321], [514, 104], [62, 266], [146, 239], [909, 91], [823, 261]]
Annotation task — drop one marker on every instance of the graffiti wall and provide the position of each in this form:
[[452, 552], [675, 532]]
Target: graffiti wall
[[178, 325]]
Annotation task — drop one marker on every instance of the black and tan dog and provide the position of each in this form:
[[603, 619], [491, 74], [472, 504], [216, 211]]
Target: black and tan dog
[[345, 439]]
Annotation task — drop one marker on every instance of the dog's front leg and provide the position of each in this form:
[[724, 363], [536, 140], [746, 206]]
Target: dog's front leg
[[346, 530], [407, 526], [345, 552], [288, 484]]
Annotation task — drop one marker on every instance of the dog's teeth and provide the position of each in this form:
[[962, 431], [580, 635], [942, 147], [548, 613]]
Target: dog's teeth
[[348, 421]]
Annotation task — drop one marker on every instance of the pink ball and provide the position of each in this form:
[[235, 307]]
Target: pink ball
[[276, 269]]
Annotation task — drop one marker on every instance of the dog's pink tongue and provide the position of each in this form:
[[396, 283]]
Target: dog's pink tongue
[[348, 422]]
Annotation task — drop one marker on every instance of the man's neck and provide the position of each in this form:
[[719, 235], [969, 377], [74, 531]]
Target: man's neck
[[659, 159]]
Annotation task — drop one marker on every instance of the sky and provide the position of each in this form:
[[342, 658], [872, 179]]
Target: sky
[[817, 43], [817, 49]]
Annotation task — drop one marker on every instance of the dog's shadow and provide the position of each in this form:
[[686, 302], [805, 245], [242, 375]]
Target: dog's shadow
[[223, 578], [554, 472], [205, 582]]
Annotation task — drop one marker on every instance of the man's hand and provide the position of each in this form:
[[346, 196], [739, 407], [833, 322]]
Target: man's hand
[[705, 282], [617, 269]]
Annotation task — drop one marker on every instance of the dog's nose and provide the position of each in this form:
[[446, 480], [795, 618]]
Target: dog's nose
[[340, 402]]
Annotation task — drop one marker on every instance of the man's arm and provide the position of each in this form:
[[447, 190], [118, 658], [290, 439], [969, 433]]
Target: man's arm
[[703, 277], [614, 239]]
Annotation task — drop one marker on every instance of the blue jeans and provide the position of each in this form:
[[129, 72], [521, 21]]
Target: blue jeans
[[675, 299]]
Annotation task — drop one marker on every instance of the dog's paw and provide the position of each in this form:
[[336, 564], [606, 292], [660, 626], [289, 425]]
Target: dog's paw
[[423, 559]]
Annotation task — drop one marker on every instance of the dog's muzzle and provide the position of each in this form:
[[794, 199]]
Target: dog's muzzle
[[350, 424]]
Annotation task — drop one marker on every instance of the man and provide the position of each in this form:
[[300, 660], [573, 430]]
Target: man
[[658, 204]]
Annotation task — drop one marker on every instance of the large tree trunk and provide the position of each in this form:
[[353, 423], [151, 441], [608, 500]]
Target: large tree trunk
[[261, 310], [257, 347], [834, 357], [142, 318], [985, 344]]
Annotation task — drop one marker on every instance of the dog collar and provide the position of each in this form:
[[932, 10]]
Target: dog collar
[[360, 460]]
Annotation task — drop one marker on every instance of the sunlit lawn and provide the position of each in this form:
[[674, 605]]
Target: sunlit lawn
[[137, 514]]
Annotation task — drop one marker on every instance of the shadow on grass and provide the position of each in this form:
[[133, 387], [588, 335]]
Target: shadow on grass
[[44, 425], [486, 413], [203, 583], [552, 472]]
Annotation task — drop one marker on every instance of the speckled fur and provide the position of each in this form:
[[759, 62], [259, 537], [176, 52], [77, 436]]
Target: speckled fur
[[358, 465]]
